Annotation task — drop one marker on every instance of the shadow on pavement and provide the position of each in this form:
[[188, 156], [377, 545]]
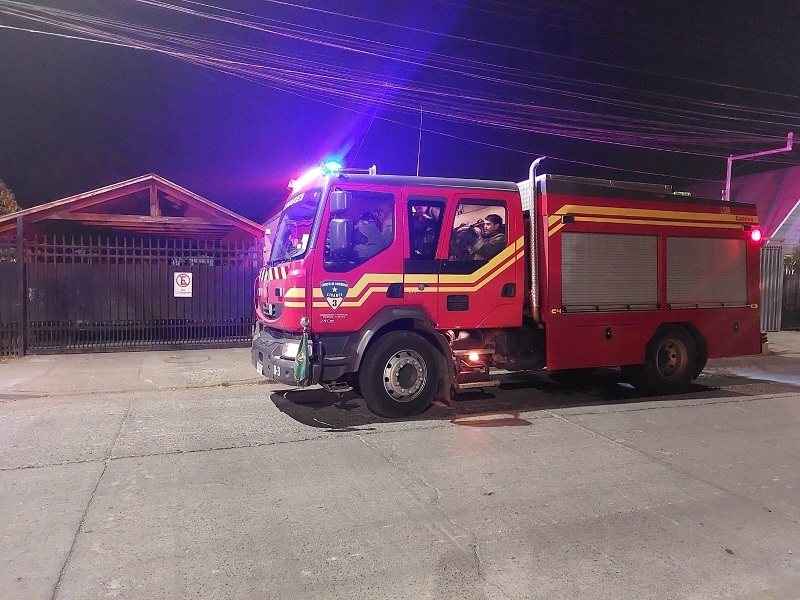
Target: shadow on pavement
[[505, 405]]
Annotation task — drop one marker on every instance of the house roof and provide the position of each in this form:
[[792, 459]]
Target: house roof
[[776, 194], [146, 205]]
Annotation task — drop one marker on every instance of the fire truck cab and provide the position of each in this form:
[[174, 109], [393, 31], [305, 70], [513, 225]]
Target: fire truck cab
[[408, 287]]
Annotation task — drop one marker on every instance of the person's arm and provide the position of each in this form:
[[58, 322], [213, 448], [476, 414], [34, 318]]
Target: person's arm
[[491, 247]]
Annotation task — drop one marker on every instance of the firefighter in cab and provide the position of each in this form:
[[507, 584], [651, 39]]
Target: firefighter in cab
[[492, 240]]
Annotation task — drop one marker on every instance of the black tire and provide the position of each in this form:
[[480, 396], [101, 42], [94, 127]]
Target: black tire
[[398, 375], [353, 382], [670, 362]]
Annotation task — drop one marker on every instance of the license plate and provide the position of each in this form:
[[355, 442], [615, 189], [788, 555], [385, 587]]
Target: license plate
[[260, 368]]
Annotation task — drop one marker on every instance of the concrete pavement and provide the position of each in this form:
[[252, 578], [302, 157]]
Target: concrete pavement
[[183, 475]]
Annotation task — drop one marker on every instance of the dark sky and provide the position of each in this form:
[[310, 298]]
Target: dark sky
[[233, 101]]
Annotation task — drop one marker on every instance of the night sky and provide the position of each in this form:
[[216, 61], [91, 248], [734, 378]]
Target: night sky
[[232, 99]]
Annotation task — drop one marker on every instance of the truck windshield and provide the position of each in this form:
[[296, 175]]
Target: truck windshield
[[294, 229]]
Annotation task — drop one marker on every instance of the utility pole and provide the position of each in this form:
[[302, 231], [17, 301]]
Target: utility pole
[[727, 193]]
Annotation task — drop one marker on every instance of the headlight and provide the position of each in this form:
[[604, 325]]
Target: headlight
[[289, 350]]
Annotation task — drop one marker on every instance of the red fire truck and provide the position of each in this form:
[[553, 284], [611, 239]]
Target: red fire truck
[[402, 288]]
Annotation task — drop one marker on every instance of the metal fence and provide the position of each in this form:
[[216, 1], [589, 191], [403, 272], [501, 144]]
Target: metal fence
[[89, 294], [791, 301], [771, 286]]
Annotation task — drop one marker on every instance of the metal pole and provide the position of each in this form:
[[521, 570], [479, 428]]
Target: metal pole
[[727, 194], [534, 241], [22, 289]]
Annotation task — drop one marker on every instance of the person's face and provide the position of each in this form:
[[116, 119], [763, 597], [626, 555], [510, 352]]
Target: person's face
[[489, 227]]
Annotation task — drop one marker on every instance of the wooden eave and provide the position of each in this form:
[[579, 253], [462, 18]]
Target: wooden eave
[[207, 221]]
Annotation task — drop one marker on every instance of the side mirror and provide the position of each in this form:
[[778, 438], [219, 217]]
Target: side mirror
[[339, 201], [339, 236]]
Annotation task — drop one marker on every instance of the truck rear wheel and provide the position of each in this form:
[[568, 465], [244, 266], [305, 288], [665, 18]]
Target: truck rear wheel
[[398, 375], [670, 362]]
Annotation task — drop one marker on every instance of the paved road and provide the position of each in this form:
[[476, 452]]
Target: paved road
[[538, 490]]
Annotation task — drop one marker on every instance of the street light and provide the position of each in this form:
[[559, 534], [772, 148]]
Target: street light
[[726, 195]]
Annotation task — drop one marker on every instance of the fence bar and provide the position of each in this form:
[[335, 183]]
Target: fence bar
[[22, 312]]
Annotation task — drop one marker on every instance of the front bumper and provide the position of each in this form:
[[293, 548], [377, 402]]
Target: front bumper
[[265, 354]]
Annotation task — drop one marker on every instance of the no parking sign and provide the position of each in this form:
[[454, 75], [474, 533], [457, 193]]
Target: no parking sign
[[183, 285]]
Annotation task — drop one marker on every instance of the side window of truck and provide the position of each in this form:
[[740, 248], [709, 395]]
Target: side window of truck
[[479, 230], [363, 230], [424, 225]]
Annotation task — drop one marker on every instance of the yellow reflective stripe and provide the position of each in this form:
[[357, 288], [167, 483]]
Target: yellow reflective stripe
[[489, 268], [364, 297], [634, 216], [366, 280], [354, 303], [421, 278], [667, 215], [645, 222], [484, 281]]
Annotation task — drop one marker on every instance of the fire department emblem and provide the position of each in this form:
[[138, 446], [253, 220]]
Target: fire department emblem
[[334, 292]]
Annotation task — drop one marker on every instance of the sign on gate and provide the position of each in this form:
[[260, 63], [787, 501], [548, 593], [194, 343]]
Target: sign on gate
[[183, 285]]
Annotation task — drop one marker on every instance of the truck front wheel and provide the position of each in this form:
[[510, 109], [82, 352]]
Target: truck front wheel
[[398, 375], [670, 362]]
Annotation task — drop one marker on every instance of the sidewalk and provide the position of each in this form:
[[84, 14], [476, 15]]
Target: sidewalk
[[65, 374], [784, 342]]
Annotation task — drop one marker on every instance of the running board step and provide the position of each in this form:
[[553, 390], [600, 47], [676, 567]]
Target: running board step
[[337, 387], [467, 385]]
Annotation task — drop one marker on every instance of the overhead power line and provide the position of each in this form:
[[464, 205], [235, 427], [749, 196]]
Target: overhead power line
[[358, 73]]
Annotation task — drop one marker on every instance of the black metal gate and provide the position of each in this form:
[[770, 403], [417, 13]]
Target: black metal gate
[[90, 294], [10, 301], [791, 301]]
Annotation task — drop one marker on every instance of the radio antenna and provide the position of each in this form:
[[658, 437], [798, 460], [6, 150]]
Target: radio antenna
[[419, 141]]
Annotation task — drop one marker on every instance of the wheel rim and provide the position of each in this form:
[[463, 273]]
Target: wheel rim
[[404, 375], [672, 358]]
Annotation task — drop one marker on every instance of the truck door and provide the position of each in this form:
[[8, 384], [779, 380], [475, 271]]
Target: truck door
[[359, 264], [479, 282], [424, 215]]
